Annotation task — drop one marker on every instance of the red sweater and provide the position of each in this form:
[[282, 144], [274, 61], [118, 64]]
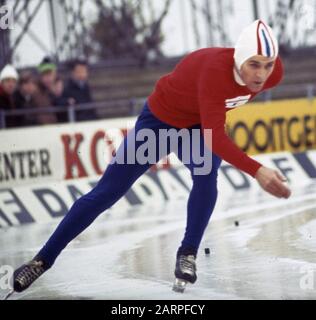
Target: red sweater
[[200, 90]]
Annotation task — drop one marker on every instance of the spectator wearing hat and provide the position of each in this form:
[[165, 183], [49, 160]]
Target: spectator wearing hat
[[44, 96], [8, 84]]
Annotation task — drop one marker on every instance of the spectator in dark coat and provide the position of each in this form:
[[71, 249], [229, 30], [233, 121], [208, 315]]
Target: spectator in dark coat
[[24, 97], [77, 90]]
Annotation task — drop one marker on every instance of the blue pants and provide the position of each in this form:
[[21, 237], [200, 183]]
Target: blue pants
[[116, 181]]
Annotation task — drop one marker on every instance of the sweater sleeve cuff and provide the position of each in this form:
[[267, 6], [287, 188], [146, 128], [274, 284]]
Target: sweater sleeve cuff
[[254, 167]]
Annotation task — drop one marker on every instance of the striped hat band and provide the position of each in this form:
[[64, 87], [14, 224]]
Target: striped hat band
[[256, 39]]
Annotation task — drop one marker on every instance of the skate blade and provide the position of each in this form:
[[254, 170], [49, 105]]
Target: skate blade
[[8, 295], [179, 285]]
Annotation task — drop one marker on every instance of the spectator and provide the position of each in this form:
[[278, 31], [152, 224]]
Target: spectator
[[24, 97], [77, 90], [45, 97], [8, 84]]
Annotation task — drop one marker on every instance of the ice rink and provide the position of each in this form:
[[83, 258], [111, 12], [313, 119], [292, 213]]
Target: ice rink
[[271, 254]]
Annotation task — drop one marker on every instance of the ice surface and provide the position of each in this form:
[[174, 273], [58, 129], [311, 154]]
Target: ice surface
[[131, 255]]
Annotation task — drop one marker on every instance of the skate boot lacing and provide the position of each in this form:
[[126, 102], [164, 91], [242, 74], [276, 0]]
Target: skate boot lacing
[[30, 273], [187, 264]]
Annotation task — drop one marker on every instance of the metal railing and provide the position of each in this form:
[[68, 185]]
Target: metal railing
[[291, 91], [131, 107]]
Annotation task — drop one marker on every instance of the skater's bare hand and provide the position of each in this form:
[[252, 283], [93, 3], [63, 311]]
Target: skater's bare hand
[[273, 182]]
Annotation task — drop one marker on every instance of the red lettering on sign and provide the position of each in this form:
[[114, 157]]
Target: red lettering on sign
[[72, 159]]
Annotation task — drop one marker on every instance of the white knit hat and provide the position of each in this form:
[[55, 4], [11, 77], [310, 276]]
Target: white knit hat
[[8, 72], [256, 39]]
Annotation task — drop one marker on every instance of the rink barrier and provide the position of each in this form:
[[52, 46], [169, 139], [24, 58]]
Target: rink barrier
[[56, 153], [287, 125]]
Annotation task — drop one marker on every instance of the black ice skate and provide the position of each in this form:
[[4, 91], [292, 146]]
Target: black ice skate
[[24, 276], [185, 272]]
